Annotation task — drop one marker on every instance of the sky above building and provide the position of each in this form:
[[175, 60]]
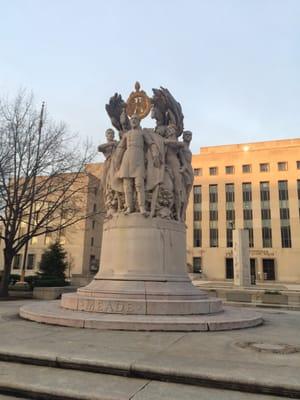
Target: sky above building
[[233, 65]]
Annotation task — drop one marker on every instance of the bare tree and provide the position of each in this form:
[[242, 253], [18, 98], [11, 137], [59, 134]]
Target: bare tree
[[42, 178]]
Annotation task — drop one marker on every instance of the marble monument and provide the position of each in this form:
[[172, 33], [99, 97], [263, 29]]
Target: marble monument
[[142, 283]]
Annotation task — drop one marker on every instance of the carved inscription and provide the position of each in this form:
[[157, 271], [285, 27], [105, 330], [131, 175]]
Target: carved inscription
[[109, 307]]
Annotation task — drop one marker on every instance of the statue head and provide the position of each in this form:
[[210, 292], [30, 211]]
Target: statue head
[[187, 136], [172, 131], [110, 134], [135, 121]]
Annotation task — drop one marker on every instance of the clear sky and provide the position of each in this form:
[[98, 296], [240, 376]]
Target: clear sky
[[234, 65]]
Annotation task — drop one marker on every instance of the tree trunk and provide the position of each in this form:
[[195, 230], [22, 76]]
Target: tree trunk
[[8, 258]]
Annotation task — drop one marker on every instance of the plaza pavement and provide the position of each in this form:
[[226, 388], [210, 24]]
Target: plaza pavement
[[78, 363]]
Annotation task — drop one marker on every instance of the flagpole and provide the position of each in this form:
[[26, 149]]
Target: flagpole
[[22, 277]]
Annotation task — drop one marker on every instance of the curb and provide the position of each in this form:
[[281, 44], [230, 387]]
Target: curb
[[207, 380]]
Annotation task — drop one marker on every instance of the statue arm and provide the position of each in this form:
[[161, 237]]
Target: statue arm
[[174, 143], [102, 147], [154, 150], [183, 161]]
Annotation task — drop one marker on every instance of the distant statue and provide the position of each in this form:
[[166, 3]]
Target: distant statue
[[131, 153], [186, 170], [108, 147]]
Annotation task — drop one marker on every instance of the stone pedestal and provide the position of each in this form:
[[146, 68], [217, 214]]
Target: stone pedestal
[[142, 285], [142, 272], [241, 259]]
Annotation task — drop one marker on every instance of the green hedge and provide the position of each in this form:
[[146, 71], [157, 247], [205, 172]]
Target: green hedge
[[44, 281]]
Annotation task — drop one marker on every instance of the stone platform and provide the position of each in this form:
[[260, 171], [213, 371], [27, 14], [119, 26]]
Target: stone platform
[[51, 313], [142, 285], [44, 358]]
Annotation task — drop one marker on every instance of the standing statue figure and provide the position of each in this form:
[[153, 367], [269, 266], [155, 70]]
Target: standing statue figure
[[108, 150], [131, 161], [173, 166], [186, 170]]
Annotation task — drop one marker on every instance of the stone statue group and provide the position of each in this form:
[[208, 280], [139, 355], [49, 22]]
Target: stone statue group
[[147, 171]]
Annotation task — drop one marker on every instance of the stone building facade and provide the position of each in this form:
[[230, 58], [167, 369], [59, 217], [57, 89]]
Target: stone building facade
[[254, 186], [81, 241]]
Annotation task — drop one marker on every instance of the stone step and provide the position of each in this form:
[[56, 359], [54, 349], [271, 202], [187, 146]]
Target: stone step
[[40, 382], [51, 312], [58, 368]]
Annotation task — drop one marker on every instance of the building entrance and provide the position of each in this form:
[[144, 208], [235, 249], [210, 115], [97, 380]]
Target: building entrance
[[229, 268], [269, 269], [253, 271]]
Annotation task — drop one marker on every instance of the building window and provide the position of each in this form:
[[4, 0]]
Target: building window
[[265, 214], [229, 169], [283, 190], [229, 237], [198, 171], [197, 237], [213, 215], [213, 237], [264, 191], [197, 265], [95, 190], [267, 236], [197, 233], [246, 168], [213, 171], [298, 164], [213, 193], [286, 240], [229, 192], [264, 167], [282, 166], [94, 207], [93, 224], [247, 210], [197, 194], [284, 213], [230, 213], [92, 241], [197, 215], [248, 214], [30, 261], [247, 192], [17, 261]]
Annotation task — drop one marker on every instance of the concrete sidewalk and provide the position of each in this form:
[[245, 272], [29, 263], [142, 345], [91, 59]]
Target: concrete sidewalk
[[216, 359]]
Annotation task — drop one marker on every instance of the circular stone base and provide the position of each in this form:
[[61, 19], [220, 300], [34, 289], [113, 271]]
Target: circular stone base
[[50, 312]]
